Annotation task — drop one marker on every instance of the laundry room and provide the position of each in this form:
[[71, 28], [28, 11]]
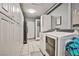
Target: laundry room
[[39, 29]]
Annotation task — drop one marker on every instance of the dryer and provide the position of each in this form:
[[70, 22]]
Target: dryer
[[54, 43]]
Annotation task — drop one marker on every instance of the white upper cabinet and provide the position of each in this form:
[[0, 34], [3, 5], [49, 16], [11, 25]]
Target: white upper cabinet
[[12, 10], [75, 13], [45, 23]]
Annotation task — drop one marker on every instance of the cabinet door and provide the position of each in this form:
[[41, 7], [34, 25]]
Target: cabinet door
[[75, 14], [0, 36], [20, 36], [4, 37], [17, 48], [8, 36], [15, 39], [11, 39], [45, 23]]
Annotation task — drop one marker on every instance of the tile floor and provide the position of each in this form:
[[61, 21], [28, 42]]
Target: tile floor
[[31, 48]]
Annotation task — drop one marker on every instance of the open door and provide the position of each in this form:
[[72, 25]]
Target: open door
[[25, 33]]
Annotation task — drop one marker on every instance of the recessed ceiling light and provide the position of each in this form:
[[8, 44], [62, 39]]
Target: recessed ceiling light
[[31, 10]]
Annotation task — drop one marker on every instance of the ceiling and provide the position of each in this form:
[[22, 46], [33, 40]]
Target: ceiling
[[40, 9]]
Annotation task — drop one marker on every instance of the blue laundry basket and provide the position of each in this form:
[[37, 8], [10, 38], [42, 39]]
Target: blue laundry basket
[[72, 47]]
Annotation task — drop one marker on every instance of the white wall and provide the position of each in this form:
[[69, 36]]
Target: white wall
[[64, 11], [30, 28]]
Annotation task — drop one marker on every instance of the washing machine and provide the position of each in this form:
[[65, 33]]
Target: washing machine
[[58, 43]]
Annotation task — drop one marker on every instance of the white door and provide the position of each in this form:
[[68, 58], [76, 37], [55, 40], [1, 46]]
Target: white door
[[37, 29]]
